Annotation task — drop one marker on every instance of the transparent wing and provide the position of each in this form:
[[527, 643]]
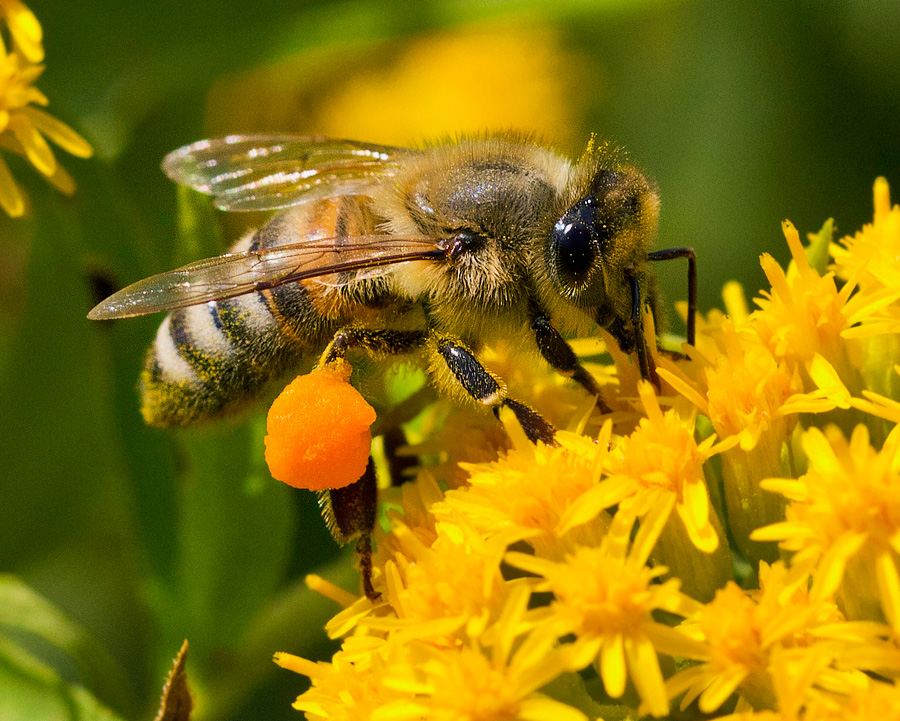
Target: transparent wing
[[234, 274], [265, 172]]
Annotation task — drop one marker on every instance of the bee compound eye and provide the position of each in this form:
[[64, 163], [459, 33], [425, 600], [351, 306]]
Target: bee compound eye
[[574, 249]]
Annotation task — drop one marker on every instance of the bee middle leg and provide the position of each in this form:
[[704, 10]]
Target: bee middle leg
[[483, 387], [373, 340]]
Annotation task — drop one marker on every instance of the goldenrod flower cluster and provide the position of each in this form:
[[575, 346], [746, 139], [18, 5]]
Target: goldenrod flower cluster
[[24, 128], [724, 546]]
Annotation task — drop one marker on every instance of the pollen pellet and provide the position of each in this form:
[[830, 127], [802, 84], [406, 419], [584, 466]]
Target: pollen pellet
[[318, 431]]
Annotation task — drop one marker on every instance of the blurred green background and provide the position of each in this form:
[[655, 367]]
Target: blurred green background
[[120, 541]]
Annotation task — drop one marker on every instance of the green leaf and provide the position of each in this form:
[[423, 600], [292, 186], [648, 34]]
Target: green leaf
[[235, 531], [176, 703], [292, 621], [31, 690], [25, 611]]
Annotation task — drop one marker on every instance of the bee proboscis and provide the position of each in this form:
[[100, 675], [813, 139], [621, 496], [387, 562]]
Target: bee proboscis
[[398, 251]]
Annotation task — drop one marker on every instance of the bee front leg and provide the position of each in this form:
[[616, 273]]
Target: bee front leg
[[483, 387], [645, 360], [559, 354]]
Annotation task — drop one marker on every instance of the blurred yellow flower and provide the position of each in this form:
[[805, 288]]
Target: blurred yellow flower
[[24, 129], [478, 78], [498, 75], [25, 29]]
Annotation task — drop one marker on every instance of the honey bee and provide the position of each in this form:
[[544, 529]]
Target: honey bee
[[398, 251]]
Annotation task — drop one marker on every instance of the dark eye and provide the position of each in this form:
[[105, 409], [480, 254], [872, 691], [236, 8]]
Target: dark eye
[[575, 249], [575, 244]]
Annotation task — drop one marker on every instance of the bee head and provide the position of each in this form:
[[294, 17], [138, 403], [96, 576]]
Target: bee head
[[601, 238]]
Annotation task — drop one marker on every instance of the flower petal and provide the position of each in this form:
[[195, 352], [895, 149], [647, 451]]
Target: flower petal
[[888, 588], [647, 676], [10, 195], [59, 133], [612, 665], [36, 148]]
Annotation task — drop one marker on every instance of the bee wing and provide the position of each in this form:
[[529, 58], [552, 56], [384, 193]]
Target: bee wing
[[266, 172], [234, 274]]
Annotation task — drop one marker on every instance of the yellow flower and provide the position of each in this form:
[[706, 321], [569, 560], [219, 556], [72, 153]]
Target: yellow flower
[[476, 683], [872, 258], [530, 489], [372, 678], [449, 589], [351, 687], [809, 321], [804, 313], [743, 388], [25, 29], [741, 630], [793, 673], [877, 700], [660, 464], [606, 597], [873, 253], [843, 521], [659, 467], [747, 395], [24, 130]]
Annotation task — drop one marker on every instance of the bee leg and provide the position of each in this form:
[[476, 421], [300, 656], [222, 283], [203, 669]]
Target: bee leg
[[483, 387], [350, 513], [559, 354], [670, 254], [645, 360], [536, 427], [394, 439], [374, 340]]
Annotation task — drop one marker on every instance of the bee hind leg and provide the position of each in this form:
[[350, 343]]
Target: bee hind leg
[[350, 513]]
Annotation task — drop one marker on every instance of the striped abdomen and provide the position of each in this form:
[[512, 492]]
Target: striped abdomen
[[211, 359]]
